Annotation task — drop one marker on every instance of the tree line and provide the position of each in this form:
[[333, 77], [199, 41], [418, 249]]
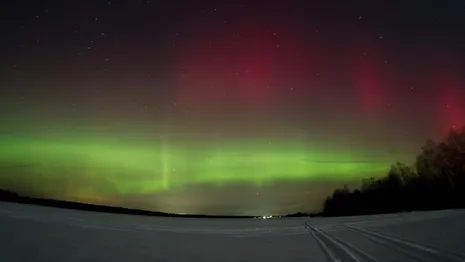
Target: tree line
[[435, 181]]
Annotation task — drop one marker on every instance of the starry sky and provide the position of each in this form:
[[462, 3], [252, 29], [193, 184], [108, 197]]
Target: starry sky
[[222, 107]]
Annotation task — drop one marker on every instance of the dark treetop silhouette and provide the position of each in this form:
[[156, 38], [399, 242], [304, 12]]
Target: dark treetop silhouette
[[435, 181]]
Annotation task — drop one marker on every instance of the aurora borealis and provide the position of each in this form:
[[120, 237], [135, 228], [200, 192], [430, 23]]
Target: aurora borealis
[[221, 108]]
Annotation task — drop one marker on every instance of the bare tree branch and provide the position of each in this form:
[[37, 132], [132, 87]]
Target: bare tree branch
[[460, 144]]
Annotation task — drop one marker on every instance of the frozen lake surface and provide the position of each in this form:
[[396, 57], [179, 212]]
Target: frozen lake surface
[[45, 234]]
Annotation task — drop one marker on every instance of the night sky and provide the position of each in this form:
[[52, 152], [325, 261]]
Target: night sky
[[222, 108]]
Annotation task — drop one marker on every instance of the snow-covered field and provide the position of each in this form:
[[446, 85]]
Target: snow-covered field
[[35, 233]]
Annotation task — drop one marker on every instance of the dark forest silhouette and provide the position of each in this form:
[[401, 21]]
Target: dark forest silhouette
[[435, 181]]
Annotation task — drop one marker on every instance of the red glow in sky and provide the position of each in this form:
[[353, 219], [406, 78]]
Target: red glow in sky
[[451, 106], [247, 64]]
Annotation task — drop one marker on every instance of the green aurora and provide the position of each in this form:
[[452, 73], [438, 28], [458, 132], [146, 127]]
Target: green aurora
[[150, 167]]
